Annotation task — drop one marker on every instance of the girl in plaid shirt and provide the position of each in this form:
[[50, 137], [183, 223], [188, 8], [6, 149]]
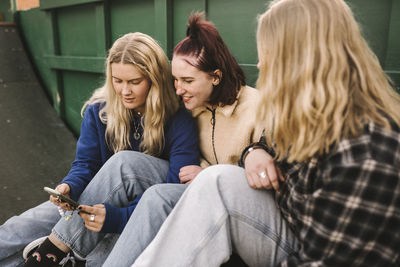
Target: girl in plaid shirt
[[332, 129]]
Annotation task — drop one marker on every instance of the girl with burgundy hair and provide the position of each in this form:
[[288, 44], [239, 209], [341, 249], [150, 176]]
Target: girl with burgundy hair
[[212, 85]]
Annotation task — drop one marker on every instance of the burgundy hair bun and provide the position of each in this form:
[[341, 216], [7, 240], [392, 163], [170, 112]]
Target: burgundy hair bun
[[194, 25], [208, 52]]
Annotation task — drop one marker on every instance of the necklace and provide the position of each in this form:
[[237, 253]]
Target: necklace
[[136, 134]]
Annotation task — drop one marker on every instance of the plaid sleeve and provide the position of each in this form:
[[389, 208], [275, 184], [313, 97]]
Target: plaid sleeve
[[353, 217]]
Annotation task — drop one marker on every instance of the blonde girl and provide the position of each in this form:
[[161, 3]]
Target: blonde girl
[[134, 134]]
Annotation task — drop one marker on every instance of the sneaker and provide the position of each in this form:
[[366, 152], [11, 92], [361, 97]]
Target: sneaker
[[72, 259], [31, 247], [77, 257]]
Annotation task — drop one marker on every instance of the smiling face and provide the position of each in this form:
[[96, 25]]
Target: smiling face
[[193, 85], [130, 84]]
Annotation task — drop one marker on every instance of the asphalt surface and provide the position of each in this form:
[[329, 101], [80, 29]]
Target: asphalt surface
[[36, 147]]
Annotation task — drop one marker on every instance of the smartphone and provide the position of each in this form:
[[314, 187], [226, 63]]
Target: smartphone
[[62, 197]]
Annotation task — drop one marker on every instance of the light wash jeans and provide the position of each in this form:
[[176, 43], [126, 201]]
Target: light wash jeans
[[154, 207], [123, 176], [18, 231], [217, 214], [34, 223], [117, 183]]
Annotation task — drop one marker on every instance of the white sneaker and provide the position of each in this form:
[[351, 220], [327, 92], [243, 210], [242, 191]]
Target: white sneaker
[[32, 247]]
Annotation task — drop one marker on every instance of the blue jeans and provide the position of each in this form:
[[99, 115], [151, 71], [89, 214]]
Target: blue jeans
[[218, 214], [123, 176], [18, 231], [154, 207], [117, 183]]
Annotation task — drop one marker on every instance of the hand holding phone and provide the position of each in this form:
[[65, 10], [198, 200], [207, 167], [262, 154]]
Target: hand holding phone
[[73, 204]]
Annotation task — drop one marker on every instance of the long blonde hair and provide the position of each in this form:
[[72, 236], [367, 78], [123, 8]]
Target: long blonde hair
[[320, 81], [161, 103]]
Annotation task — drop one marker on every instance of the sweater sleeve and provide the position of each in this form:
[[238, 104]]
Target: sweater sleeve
[[182, 144], [88, 155], [117, 218]]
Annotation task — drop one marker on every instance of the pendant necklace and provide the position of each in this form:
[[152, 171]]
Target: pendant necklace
[[136, 134]]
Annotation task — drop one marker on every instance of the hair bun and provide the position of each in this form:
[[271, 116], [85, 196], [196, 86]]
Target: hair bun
[[194, 25]]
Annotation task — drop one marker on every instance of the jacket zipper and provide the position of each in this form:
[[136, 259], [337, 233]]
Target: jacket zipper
[[213, 132]]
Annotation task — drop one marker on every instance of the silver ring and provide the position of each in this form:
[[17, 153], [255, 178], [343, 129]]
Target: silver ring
[[262, 175], [92, 217]]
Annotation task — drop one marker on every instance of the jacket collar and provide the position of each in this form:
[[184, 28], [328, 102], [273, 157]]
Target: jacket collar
[[225, 110]]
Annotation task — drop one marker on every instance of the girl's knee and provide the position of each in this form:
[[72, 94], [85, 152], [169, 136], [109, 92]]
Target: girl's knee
[[123, 159], [221, 176], [152, 193], [123, 156], [163, 194]]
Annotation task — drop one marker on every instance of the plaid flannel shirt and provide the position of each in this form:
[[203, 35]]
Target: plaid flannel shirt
[[345, 207]]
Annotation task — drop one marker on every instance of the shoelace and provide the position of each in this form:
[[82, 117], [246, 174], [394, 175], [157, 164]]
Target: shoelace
[[68, 258]]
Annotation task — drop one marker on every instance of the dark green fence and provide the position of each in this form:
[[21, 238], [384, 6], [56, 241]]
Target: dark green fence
[[6, 10], [68, 40]]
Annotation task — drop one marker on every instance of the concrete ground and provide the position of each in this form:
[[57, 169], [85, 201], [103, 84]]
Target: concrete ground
[[36, 148]]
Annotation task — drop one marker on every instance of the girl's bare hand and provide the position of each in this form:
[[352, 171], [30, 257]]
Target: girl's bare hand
[[188, 173], [65, 190], [95, 216], [261, 171]]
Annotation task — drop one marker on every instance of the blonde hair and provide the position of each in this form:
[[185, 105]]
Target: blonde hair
[[161, 103], [320, 81]]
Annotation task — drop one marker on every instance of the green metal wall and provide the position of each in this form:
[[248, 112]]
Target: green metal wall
[[68, 40], [6, 10]]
